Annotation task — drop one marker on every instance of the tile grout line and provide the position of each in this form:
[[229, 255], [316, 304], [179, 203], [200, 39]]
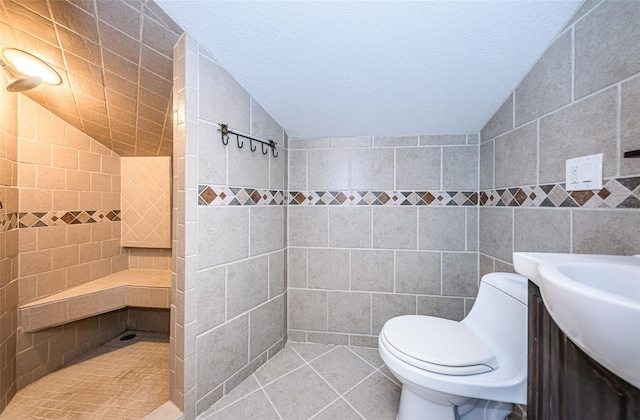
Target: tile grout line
[[619, 152], [325, 408], [269, 399], [341, 396], [296, 368], [223, 407]]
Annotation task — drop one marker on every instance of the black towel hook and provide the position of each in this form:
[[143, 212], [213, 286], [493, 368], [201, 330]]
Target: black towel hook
[[225, 131]]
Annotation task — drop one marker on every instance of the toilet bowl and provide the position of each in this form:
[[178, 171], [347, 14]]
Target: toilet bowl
[[472, 369]]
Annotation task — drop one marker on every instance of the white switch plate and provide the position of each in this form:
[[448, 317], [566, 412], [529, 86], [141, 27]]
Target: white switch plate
[[584, 173]]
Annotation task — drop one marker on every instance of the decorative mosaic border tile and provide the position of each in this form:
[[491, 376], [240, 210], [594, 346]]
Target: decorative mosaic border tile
[[620, 193], [8, 221], [12, 221], [616, 193], [212, 195], [383, 198]]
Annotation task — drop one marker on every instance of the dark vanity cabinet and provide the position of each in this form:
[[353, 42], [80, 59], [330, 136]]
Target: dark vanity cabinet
[[564, 383]]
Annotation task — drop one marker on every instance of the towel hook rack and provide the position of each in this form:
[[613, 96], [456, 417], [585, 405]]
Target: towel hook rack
[[225, 131]]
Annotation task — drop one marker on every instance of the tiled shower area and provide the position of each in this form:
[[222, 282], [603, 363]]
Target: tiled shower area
[[120, 379], [267, 298], [81, 261]]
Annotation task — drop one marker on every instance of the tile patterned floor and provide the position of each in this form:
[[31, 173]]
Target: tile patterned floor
[[118, 380], [319, 382], [314, 381]]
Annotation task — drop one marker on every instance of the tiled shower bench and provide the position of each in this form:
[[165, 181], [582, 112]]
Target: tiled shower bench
[[138, 288]]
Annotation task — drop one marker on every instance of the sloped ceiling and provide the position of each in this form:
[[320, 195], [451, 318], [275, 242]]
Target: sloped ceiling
[[115, 60], [349, 68]]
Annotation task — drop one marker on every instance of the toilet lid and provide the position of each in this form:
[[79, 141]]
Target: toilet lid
[[438, 345]]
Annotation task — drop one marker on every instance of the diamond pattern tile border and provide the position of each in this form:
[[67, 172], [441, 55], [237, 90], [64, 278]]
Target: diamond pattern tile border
[[383, 198], [213, 195], [12, 221], [8, 221], [620, 193]]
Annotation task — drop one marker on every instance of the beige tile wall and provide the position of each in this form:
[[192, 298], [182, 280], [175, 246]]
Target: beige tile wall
[[116, 68], [8, 242], [48, 350], [148, 319], [226, 331], [149, 258], [62, 169], [353, 267], [146, 202], [581, 97]]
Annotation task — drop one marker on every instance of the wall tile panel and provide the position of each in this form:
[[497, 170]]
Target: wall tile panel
[[460, 168], [328, 269], [547, 86], [418, 272], [441, 229], [247, 285], [516, 161], [607, 48], [328, 169], [372, 169], [630, 124], [418, 168], [584, 128], [372, 270], [349, 312], [350, 227]]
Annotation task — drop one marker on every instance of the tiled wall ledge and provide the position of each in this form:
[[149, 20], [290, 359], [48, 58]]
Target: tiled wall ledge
[[10, 221], [138, 288], [619, 193]]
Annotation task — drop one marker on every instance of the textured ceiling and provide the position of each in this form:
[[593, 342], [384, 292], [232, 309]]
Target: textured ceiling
[[115, 60], [345, 68]]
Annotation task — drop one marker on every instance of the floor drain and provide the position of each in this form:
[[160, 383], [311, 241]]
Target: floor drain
[[127, 337]]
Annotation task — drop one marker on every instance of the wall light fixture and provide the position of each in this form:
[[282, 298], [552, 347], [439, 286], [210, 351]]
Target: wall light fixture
[[27, 70]]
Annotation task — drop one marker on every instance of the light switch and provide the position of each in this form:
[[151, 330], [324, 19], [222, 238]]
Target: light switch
[[584, 173]]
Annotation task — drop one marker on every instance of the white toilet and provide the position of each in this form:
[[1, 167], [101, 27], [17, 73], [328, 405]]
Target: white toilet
[[472, 369]]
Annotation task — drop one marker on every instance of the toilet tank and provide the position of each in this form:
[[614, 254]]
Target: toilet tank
[[499, 317]]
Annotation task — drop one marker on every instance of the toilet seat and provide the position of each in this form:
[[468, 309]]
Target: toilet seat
[[437, 345]]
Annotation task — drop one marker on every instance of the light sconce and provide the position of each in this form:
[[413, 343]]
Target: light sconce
[[28, 71]]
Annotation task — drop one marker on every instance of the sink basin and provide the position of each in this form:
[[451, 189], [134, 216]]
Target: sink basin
[[595, 300]]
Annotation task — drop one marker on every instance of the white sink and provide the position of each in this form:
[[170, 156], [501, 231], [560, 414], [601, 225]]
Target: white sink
[[595, 300]]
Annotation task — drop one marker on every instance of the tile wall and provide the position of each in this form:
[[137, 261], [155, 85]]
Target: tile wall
[[149, 258], [230, 286], [146, 202], [377, 227], [8, 242], [59, 227], [380, 227], [68, 227], [114, 58], [582, 97]]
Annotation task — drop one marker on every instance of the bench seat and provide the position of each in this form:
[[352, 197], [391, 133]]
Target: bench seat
[[138, 288]]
